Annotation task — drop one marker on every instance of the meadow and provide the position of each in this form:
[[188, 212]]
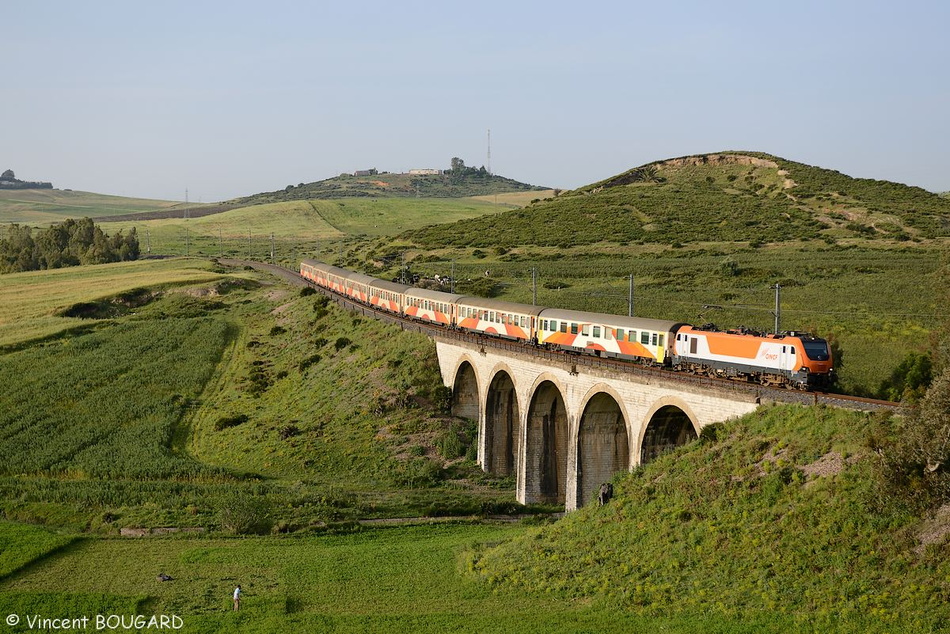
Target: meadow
[[29, 302], [297, 227], [403, 579], [46, 206]]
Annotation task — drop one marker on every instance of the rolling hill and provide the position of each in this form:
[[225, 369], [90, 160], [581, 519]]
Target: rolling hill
[[46, 206], [466, 183], [723, 197]]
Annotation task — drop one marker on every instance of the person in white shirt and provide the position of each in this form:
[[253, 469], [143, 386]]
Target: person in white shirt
[[237, 598]]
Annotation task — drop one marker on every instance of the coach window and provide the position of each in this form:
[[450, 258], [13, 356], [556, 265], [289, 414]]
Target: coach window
[[563, 326], [645, 338], [661, 340], [619, 334], [573, 329], [585, 329], [654, 339], [596, 332]]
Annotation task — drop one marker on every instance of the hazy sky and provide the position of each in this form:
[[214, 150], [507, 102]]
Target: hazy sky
[[232, 98]]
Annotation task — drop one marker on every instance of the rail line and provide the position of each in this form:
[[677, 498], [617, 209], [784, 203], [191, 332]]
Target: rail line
[[576, 361]]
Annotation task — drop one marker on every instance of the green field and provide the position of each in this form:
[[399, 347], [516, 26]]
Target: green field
[[29, 302], [409, 579], [297, 227], [46, 206]]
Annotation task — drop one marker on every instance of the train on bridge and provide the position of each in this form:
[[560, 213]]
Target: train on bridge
[[791, 359]]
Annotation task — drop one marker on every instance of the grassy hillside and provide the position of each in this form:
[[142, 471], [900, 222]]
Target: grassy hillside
[[155, 404], [387, 185], [728, 197], [46, 206], [773, 514], [31, 303], [300, 226]]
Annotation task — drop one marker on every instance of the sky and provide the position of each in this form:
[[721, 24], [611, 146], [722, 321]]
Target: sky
[[226, 99]]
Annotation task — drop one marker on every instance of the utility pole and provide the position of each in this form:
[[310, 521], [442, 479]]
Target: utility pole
[[148, 242], [778, 306], [534, 287], [630, 298], [272, 247]]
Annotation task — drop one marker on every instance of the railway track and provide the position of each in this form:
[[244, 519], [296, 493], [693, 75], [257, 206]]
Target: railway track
[[578, 361]]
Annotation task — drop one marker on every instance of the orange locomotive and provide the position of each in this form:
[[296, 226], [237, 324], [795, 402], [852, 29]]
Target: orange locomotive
[[794, 359]]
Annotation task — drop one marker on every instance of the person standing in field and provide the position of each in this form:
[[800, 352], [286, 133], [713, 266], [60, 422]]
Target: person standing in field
[[237, 598]]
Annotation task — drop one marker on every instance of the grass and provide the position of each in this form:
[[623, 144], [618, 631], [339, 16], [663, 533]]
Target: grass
[[743, 525], [384, 580], [29, 301], [21, 544], [156, 415], [46, 206], [104, 404], [296, 225], [711, 200]]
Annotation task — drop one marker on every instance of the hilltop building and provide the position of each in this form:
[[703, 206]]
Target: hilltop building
[[8, 180]]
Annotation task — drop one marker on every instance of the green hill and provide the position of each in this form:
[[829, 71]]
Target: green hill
[[459, 183], [46, 206], [774, 518], [725, 197]]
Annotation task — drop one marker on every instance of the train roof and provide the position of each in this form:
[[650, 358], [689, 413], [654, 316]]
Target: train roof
[[393, 287], [361, 278], [438, 296], [618, 321], [500, 305], [327, 268]]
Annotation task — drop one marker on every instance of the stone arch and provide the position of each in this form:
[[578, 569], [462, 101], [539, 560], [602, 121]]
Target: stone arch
[[670, 423], [546, 444], [465, 401], [502, 424], [603, 445]]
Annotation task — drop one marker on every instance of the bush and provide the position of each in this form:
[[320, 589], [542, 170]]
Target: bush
[[306, 291], [909, 380], [914, 455], [229, 421], [245, 514]]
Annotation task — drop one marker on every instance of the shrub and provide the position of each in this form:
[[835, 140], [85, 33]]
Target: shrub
[[914, 454], [245, 514], [309, 361], [230, 421]]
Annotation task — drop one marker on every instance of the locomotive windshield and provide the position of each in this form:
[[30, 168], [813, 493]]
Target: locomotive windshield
[[816, 349]]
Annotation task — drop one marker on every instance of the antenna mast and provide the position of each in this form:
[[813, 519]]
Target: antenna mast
[[489, 150]]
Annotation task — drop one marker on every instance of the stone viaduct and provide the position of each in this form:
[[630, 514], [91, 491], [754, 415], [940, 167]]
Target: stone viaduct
[[562, 425]]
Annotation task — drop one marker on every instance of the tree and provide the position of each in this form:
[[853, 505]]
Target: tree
[[915, 461], [458, 165]]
